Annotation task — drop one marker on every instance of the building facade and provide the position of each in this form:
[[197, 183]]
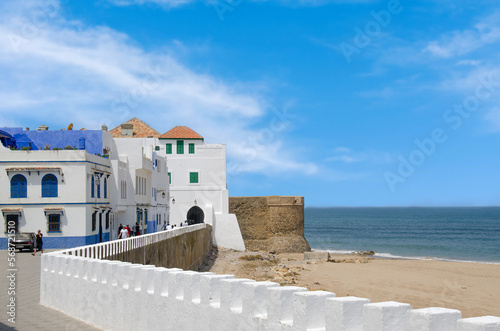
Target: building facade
[[79, 186], [198, 188], [63, 193]]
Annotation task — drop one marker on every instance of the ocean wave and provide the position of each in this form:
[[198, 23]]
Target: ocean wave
[[390, 256]]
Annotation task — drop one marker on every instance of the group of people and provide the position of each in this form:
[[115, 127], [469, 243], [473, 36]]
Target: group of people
[[126, 231], [167, 226]]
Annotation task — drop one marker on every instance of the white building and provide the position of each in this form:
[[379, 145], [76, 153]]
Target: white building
[[141, 178], [198, 189], [64, 193], [141, 185]]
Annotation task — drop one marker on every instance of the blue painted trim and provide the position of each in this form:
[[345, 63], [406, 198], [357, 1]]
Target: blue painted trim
[[55, 203], [64, 242], [106, 166]]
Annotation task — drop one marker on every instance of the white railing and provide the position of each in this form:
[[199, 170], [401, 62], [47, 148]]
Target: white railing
[[111, 248]]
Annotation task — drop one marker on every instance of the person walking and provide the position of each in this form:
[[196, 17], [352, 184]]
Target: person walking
[[137, 229], [38, 243], [123, 233], [164, 227]]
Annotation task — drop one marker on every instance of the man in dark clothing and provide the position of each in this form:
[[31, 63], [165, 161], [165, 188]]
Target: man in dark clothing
[[137, 229], [38, 243]]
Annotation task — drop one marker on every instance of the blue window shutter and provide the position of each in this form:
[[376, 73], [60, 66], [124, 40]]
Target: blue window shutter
[[92, 187], [49, 186], [18, 187]]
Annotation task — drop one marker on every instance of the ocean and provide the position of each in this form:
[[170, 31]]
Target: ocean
[[469, 234]]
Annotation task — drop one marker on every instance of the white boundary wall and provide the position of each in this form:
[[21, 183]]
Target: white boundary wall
[[114, 295]]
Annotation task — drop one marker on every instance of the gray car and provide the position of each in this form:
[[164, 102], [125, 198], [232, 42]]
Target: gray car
[[24, 240]]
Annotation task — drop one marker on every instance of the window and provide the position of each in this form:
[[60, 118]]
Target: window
[[193, 177], [157, 148], [18, 187], [98, 188], [49, 186], [94, 221], [123, 189], [54, 223], [107, 220], [180, 146], [168, 148], [92, 184], [191, 148], [105, 188], [170, 178]]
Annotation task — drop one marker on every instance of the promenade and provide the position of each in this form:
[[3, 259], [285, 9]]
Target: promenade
[[30, 314]]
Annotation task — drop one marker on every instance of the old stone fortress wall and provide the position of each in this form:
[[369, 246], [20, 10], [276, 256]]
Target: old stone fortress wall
[[117, 295]]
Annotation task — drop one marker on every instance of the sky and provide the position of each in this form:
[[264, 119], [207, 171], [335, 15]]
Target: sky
[[347, 103]]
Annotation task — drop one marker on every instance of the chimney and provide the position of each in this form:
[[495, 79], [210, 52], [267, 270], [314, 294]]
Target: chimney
[[42, 128], [104, 128], [127, 130]]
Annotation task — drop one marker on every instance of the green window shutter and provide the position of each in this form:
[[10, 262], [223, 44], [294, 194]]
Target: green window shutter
[[170, 178], [180, 146], [168, 148], [191, 148], [193, 177]]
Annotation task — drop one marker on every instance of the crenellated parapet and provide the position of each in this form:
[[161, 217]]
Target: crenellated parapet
[[115, 295]]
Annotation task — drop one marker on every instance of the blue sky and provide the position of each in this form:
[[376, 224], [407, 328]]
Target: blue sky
[[347, 103]]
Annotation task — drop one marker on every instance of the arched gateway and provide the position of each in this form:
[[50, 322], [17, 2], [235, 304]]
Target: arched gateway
[[195, 215]]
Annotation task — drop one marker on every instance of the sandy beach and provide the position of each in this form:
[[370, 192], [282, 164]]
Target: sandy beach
[[472, 288]]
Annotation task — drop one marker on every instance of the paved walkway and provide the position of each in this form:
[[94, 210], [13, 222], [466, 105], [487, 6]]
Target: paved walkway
[[30, 314]]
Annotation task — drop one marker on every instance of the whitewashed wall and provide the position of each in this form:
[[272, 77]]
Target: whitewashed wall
[[114, 295], [210, 194]]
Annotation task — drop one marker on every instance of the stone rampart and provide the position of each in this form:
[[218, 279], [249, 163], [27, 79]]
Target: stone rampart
[[272, 224], [178, 250]]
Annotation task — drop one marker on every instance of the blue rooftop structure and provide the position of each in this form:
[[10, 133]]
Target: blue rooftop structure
[[7, 139], [89, 140]]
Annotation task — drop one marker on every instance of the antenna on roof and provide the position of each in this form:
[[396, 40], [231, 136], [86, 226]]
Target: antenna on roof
[[70, 126]]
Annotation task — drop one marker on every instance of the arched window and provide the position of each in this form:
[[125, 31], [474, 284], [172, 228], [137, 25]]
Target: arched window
[[92, 184], [49, 186], [98, 188], [18, 187], [105, 188]]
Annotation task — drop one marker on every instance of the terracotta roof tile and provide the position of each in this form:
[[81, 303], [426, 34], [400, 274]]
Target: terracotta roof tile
[[181, 132], [140, 130]]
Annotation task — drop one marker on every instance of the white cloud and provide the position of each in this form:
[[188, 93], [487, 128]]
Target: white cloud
[[347, 155], [57, 72], [463, 42]]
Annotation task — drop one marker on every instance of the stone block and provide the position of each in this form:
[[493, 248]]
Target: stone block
[[484, 323], [433, 319], [345, 313], [309, 309], [316, 255], [385, 316]]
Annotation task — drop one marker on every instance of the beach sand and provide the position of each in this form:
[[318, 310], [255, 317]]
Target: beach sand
[[472, 288]]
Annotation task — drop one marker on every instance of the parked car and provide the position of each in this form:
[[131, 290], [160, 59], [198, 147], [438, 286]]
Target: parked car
[[24, 240]]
